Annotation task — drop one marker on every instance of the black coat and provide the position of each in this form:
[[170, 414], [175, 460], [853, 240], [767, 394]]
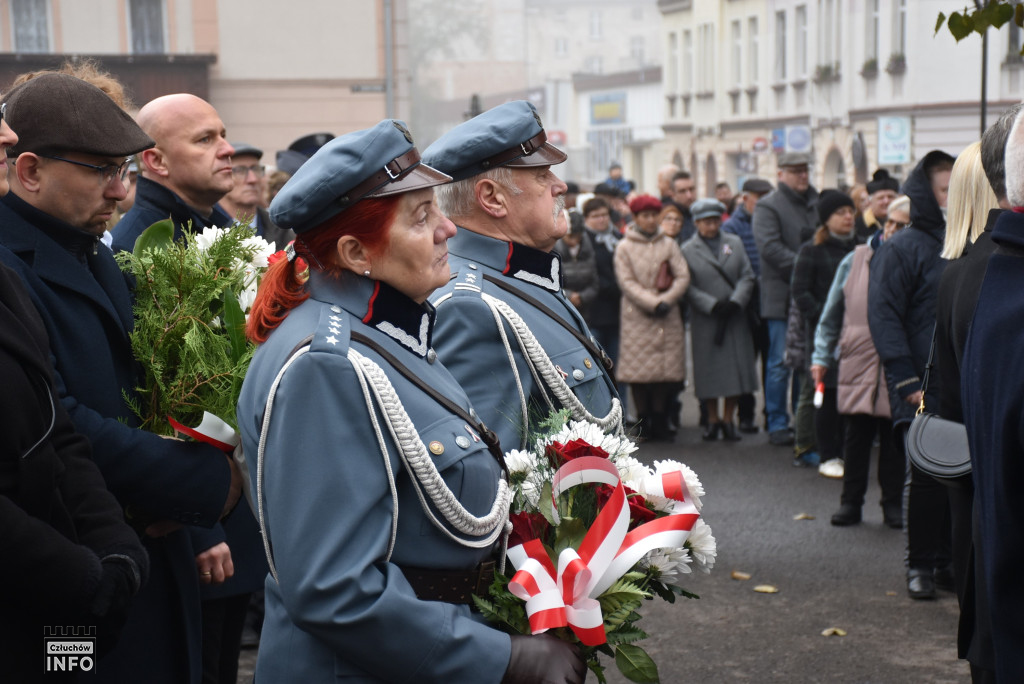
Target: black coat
[[154, 202], [605, 310], [993, 405], [84, 301], [58, 519], [902, 292]]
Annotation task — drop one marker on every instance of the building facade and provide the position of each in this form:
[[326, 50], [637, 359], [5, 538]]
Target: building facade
[[274, 70], [859, 84]]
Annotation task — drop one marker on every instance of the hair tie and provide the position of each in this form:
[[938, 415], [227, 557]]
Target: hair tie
[[289, 251]]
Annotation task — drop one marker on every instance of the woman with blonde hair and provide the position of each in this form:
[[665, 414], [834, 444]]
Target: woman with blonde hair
[[970, 200]]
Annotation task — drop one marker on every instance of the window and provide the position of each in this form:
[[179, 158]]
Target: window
[[638, 13], [780, 46], [800, 28], [900, 28], [737, 54], [830, 17], [595, 25], [752, 52], [672, 73], [871, 31], [706, 77], [593, 65], [31, 21], [687, 62], [147, 26], [1013, 43], [561, 47], [636, 49]]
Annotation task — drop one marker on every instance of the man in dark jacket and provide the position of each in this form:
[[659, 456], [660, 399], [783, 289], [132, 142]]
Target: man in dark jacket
[[603, 318], [185, 174], [245, 201], [782, 222], [579, 265], [904, 283], [64, 187]]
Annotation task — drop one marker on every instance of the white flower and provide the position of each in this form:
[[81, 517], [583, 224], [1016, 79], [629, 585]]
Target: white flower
[[263, 250], [615, 447], [693, 484], [631, 471], [703, 546], [519, 461], [246, 297], [670, 563], [209, 235]]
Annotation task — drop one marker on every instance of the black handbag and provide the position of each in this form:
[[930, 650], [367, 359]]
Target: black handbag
[[936, 445]]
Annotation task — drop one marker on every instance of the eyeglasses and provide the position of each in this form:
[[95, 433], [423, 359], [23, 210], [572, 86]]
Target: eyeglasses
[[898, 225], [242, 171], [3, 110], [107, 171]]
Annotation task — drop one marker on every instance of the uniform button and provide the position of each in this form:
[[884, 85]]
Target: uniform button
[[586, 362], [431, 356], [463, 442], [577, 375], [436, 448]]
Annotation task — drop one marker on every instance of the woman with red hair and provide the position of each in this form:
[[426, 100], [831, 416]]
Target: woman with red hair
[[381, 497]]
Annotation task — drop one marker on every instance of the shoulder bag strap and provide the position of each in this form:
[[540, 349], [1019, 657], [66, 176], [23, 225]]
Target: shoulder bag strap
[[928, 369], [596, 351], [490, 439]]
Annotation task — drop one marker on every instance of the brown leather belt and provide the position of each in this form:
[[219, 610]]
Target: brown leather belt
[[450, 586]]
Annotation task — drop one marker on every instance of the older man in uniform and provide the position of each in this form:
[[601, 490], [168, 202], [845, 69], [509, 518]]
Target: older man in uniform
[[245, 201], [185, 174], [504, 329], [67, 179]]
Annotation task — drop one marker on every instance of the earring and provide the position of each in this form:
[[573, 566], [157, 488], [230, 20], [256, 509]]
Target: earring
[[366, 273]]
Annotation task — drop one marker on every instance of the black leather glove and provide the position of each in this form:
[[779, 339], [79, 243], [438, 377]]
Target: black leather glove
[[544, 659], [118, 584], [724, 308], [661, 310]]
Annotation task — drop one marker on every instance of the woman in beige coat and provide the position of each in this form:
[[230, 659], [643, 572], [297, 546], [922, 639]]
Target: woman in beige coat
[[653, 277]]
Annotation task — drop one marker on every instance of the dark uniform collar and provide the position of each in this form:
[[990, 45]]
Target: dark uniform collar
[[77, 242], [543, 269], [379, 306]]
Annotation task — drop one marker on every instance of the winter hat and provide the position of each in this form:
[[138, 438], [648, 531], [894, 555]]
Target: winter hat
[[644, 203], [830, 201], [881, 180]]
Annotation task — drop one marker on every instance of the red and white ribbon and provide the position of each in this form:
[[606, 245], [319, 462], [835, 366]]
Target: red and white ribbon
[[211, 430], [567, 595]]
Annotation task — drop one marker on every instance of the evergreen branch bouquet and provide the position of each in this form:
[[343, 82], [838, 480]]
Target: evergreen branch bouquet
[[595, 534], [192, 297]]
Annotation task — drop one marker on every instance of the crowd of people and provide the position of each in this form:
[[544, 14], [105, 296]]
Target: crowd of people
[[829, 305]]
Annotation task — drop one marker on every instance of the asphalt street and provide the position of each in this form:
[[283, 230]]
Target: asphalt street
[[827, 577]]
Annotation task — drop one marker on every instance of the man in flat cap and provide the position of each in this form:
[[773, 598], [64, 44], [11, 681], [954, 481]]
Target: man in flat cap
[[245, 201], [68, 175], [782, 222], [185, 174], [504, 329]]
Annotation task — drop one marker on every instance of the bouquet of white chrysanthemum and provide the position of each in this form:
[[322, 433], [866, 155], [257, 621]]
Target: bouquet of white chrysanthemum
[[192, 297], [595, 534]]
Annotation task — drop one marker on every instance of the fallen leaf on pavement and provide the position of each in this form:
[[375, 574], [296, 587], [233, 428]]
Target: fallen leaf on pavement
[[766, 589], [890, 593], [803, 516], [833, 631], [737, 575]]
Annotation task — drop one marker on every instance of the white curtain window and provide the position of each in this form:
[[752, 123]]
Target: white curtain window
[[780, 46], [147, 26], [800, 28], [737, 53], [871, 30], [673, 63], [31, 21], [752, 52], [687, 62]]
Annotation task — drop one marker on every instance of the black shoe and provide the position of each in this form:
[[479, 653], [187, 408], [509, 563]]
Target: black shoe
[[711, 432], [893, 515], [943, 578], [781, 438], [920, 584], [748, 427], [729, 433], [848, 514]]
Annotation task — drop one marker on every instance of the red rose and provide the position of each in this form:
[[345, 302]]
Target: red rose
[[639, 513], [559, 454], [527, 526]]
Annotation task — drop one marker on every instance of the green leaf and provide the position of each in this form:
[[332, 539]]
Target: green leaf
[[544, 503], [234, 324], [981, 20], [569, 533], [1018, 15], [960, 25], [939, 22], [635, 665], [1001, 13], [160, 236]]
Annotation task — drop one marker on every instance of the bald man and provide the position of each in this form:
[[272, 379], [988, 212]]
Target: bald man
[[185, 174]]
